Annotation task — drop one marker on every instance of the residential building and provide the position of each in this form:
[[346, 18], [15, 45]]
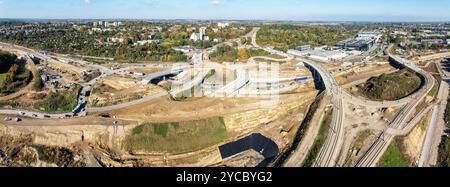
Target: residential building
[[201, 36]]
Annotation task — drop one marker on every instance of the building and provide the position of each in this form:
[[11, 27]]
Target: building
[[363, 42], [320, 55], [201, 36], [401, 33], [326, 56], [434, 41], [223, 25], [360, 44], [303, 48], [191, 29], [376, 35], [145, 42], [114, 24]]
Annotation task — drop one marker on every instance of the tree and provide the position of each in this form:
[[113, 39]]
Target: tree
[[11, 74], [244, 54]]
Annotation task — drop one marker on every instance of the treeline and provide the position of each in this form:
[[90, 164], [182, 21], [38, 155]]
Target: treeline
[[71, 41], [6, 61], [224, 53], [227, 53], [285, 37]]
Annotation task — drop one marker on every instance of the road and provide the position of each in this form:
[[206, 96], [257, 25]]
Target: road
[[82, 108], [436, 126], [377, 149], [329, 153], [128, 104]]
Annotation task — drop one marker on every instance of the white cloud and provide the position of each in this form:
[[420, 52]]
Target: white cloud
[[215, 2], [87, 1]]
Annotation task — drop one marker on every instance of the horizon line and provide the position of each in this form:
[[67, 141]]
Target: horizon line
[[219, 19]]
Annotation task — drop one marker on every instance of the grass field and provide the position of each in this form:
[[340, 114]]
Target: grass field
[[179, 137], [320, 140], [393, 157]]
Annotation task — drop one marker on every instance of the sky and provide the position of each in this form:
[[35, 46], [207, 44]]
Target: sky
[[295, 10]]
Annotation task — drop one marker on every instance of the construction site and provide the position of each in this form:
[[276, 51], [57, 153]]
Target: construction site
[[279, 109]]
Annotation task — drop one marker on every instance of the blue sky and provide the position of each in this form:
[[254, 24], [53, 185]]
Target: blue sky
[[300, 10]]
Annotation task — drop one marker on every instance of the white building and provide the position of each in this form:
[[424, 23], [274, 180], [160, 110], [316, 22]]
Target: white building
[[327, 56], [223, 25], [320, 55], [145, 42], [201, 36]]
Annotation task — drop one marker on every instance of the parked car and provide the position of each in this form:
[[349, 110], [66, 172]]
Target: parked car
[[8, 119]]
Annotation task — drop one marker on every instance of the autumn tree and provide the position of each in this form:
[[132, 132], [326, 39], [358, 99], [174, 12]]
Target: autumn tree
[[244, 54]]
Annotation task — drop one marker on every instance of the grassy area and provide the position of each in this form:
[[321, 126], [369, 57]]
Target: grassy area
[[61, 101], [434, 90], [320, 139], [176, 137], [393, 157], [2, 79], [391, 86], [444, 153]]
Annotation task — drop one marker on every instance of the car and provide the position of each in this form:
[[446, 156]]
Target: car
[[21, 113], [18, 120], [8, 119], [35, 115], [47, 116]]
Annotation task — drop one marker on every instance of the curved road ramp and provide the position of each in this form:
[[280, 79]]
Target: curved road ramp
[[257, 142]]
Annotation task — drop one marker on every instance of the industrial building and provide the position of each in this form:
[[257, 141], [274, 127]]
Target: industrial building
[[360, 44], [363, 42]]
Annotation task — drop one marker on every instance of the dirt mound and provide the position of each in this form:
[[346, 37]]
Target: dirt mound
[[21, 152], [392, 86]]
